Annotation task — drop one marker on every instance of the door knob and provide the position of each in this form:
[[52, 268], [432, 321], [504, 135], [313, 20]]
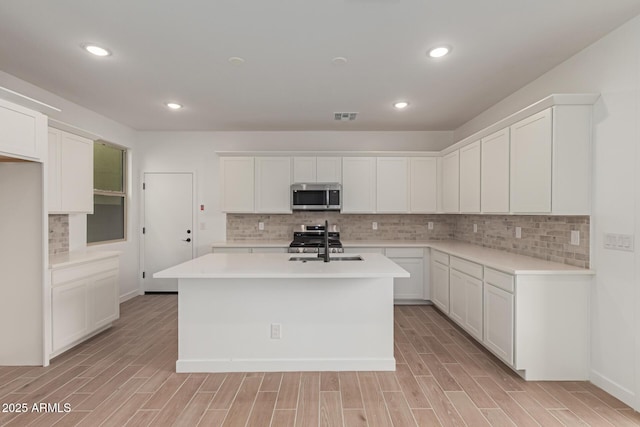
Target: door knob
[[187, 240]]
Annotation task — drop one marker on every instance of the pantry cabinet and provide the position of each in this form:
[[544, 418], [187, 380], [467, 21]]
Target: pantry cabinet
[[470, 178], [358, 184], [451, 182], [70, 173], [392, 185], [423, 184], [494, 181], [84, 299], [23, 132], [272, 184], [237, 179]]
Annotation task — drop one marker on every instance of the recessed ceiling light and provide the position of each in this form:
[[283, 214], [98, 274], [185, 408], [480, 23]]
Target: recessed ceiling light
[[339, 60], [401, 105], [236, 60], [96, 50], [174, 105], [439, 52]]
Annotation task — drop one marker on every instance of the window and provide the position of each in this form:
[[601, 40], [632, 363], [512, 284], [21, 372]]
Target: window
[[108, 221]]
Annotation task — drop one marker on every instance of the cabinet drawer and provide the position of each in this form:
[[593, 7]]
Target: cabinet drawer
[[68, 274], [499, 279], [470, 268], [440, 257], [404, 252]]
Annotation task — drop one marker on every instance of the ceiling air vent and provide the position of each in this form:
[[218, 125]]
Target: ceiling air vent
[[344, 117]]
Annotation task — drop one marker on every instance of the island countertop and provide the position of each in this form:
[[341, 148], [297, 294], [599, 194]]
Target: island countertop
[[278, 266]]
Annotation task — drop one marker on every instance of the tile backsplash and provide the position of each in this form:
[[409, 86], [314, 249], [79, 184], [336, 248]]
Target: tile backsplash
[[58, 234], [544, 237]]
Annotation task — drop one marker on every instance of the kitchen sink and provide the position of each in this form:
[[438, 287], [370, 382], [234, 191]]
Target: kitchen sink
[[333, 258]]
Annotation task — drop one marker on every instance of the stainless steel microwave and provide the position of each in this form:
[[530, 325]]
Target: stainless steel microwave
[[316, 197]]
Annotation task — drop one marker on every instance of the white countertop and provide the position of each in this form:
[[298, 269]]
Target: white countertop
[[278, 266], [497, 259], [68, 259]]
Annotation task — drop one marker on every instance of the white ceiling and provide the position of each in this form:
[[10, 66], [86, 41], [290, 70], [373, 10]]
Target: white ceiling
[[178, 50]]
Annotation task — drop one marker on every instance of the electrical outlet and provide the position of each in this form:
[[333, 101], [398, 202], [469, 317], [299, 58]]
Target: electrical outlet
[[261, 226], [518, 232], [276, 331], [575, 237], [430, 225], [374, 225], [475, 228]]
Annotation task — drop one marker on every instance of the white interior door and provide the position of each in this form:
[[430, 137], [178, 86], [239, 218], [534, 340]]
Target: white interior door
[[168, 226]]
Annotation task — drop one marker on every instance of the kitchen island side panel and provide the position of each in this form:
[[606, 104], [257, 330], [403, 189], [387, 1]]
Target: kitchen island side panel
[[224, 325]]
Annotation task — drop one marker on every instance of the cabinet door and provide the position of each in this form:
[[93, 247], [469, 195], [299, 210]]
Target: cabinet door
[[470, 178], [104, 299], [473, 311], [237, 178], [451, 182], [457, 304], [409, 288], [273, 184], [423, 184], [531, 147], [329, 169], [358, 184], [304, 169], [392, 185], [495, 173], [54, 171], [76, 173], [23, 132], [440, 282], [498, 322], [70, 313]]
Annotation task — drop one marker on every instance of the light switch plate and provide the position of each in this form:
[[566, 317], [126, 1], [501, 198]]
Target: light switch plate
[[430, 225], [518, 232], [575, 237], [475, 228], [261, 226], [374, 225]]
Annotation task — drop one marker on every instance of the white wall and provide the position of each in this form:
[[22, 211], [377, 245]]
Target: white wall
[[610, 67], [108, 130], [195, 152]]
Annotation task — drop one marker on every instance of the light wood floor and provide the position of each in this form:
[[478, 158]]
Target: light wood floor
[[125, 376]]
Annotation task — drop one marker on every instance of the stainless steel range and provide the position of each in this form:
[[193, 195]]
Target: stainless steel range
[[311, 240]]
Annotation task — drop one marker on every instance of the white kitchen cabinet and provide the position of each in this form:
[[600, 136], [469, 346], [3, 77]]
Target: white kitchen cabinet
[[470, 178], [84, 300], [466, 301], [423, 185], [392, 185], [495, 173], [317, 169], [531, 149], [358, 185], [237, 178], [411, 259], [451, 182], [70, 173], [273, 184], [440, 280], [498, 322], [23, 132]]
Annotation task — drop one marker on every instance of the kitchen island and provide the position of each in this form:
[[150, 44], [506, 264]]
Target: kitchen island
[[264, 312]]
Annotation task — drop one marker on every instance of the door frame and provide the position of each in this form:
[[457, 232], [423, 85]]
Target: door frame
[[194, 218]]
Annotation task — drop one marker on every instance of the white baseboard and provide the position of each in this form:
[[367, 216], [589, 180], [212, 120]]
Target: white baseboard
[[616, 390], [285, 365], [129, 295]]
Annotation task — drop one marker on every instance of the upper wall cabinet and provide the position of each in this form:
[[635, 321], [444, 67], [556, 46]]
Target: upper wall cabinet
[[23, 132], [273, 184], [70, 173], [470, 178], [451, 182], [495, 172], [237, 178], [392, 185], [423, 184], [317, 169], [359, 184]]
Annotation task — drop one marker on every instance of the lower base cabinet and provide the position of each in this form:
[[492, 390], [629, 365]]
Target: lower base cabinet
[[440, 280], [84, 299], [465, 293], [498, 322]]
